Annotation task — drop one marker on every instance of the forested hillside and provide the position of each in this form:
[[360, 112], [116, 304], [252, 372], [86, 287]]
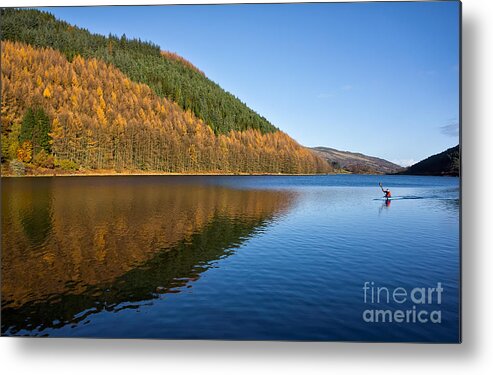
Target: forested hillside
[[167, 74], [446, 163], [85, 113]]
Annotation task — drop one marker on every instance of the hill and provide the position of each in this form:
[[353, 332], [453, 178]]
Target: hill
[[446, 163], [87, 114], [167, 74], [356, 162]]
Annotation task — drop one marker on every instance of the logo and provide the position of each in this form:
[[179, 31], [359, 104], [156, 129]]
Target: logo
[[402, 305]]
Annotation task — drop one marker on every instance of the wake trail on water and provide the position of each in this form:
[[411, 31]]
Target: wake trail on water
[[415, 198]]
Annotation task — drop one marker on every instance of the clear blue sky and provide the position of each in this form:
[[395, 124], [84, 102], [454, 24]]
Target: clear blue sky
[[377, 78]]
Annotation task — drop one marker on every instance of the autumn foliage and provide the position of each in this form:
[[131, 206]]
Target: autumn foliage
[[175, 57], [167, 74], [100, 119]]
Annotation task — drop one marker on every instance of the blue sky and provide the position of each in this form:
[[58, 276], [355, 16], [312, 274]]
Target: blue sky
[[377, 78]]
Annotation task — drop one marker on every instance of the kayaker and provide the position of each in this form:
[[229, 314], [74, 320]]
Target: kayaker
[[386, 192]]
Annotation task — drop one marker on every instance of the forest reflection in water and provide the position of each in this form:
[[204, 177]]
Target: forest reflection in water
[[79, 245]]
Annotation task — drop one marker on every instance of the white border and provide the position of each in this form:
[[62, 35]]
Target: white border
[[475, 355]]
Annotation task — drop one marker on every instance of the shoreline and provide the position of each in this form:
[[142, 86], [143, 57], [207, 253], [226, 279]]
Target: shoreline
[[208, 174], [44, 172], [126, 174]]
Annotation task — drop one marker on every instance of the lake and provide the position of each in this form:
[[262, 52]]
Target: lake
[[233, 257]]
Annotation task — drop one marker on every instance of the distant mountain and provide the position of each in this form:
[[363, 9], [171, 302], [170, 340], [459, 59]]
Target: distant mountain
[[355, 162], [446, 163]]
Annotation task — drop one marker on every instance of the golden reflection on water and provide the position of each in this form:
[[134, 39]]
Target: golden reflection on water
[[65, 235]]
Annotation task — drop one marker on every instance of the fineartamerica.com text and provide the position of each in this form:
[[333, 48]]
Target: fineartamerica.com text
[[424, 300]]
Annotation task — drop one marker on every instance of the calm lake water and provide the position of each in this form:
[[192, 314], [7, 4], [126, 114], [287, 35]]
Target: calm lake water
[[283, 258]]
